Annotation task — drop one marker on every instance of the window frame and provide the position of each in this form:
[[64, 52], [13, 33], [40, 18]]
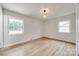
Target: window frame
[[17, 32], [63, 28]]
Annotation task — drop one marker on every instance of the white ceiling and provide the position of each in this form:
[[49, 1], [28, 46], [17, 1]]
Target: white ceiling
[[33, 9]]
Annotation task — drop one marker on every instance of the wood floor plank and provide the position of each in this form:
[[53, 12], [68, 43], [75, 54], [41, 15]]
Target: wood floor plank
[[41, 47]]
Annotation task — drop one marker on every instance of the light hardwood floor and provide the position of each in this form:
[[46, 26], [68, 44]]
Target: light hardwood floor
[[40, 47]]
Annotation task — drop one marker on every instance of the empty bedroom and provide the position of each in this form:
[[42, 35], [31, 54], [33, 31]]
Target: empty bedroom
[[37, 29]]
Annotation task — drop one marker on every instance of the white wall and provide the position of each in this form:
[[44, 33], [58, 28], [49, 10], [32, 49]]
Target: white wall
[[51, 28], [32, 29], [1, 28], [77, 28]]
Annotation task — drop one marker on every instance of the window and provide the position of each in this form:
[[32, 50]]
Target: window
[[64, 26], [15, 26]]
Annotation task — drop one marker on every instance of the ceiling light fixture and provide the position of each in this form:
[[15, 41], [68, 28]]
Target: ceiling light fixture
[[44, 12]]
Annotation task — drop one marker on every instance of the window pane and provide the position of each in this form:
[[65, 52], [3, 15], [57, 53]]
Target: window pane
[[15, 26], [64, 26]]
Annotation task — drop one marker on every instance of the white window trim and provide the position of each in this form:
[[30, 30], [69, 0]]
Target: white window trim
[[63, 27], [15, 32]]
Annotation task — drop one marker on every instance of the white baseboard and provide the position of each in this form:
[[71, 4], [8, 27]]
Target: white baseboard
[[34, 39], [61, 39], [26, 40]]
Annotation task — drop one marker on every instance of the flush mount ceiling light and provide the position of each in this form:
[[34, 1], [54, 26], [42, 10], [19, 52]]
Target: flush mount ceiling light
[[44, 12]]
